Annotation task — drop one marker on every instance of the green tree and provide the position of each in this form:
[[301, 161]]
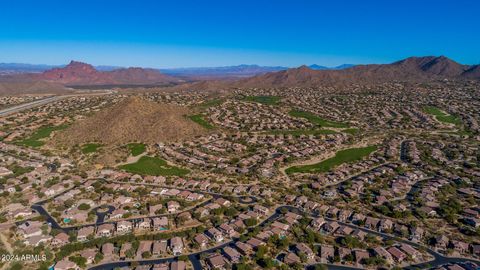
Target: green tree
[[83, 207], [146, 254], [98, 257], [16, 266], [250, 222], [79, 260], [242, 266]]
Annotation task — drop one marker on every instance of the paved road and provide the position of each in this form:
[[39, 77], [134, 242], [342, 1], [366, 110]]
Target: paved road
[[102, 211], [193, 257], [439, 259], [245, 199], [29, 105], [38, 207], [352, 176], [47, 100], [54, 224], [333, 267], [412, 189]]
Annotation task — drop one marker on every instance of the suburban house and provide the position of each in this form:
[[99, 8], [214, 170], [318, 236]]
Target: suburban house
[[176, 245]]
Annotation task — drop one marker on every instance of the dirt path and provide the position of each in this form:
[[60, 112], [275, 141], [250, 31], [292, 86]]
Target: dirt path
[[131, 159]]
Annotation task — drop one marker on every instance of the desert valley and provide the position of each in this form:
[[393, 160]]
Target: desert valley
[[362, 167], [240, 135]]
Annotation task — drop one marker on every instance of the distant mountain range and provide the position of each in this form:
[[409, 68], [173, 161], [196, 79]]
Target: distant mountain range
[[227, 71], [418, 69], [410, 69], [18, 68], [237, 71], [78, 73], [318, 67]]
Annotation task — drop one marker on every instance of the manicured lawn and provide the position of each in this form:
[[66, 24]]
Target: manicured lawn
[[18, 170], [442, 116], [198, 118], [352, 131], [90, 148], [299, 132], [267, 100], [136, 148], [314, 119], [344, 156], [211, 103], [44, 132], [153, 166]]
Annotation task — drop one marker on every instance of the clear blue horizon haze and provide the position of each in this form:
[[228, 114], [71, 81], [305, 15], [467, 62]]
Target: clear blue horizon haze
[[170, 34]]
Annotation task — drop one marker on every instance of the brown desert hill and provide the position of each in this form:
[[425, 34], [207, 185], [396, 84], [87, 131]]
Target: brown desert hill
[[206, 86], [140, 75], [418, 69], [31, 87], [472, 72], [57, 80], [132, 119], [73, 72], [413, 69], [440, 66], [78, 73]]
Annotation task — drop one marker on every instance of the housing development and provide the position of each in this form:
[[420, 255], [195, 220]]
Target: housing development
[[239, 135], [377, 175]]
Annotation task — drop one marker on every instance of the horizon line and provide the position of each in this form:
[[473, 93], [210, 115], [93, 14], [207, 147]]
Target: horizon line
[[221, 66]]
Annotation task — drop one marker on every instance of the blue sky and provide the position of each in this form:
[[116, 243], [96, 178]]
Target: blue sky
[[216, 33]]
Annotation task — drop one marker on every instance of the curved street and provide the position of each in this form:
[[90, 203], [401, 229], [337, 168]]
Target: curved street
[[438, 260]]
